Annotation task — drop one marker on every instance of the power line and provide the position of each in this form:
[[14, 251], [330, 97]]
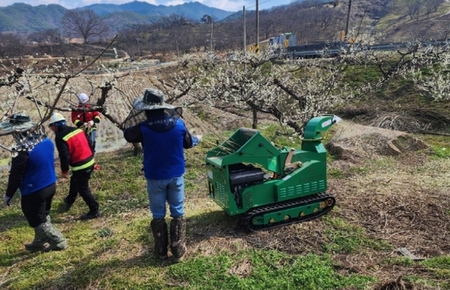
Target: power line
[[261, 3]]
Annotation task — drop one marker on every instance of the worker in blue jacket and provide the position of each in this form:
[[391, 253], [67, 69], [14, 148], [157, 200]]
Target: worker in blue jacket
[[163, 136], [33, 173]]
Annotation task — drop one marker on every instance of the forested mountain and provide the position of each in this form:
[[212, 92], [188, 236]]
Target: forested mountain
[[192, 10], [24, 19]]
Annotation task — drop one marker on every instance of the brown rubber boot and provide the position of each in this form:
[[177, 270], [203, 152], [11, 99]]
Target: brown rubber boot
[[160, 235], [178, 238]]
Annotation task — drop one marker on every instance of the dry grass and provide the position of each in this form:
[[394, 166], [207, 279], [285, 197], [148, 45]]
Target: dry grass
[[397, 201], [405, 205]]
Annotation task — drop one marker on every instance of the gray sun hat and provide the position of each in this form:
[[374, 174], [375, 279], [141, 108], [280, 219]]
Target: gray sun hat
[[153, 99], [19, 122]]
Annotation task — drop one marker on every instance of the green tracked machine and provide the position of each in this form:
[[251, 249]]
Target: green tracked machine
[[269, 187]]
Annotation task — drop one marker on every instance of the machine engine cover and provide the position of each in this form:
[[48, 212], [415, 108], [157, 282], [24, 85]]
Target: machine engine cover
[[246, 175]]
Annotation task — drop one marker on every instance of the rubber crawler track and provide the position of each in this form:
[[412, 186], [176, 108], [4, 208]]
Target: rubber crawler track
[[246, 221]]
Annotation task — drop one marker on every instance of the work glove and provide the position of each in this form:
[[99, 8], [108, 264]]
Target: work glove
[[6, 200], [196, 139], [90, 123]]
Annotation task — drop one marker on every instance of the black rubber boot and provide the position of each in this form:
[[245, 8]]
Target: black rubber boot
[[159, 230], [67, 204], [178, 238], [92, 214]]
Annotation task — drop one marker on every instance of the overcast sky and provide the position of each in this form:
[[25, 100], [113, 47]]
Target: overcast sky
[[227, 5]]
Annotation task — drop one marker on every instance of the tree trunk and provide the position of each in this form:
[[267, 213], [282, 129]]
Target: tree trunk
[[255, 119]]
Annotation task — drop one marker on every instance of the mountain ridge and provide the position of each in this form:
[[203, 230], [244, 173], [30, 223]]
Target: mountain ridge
[[24, 18]]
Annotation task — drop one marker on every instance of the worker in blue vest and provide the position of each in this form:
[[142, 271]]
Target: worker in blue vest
[[33, 173], [163, 136]]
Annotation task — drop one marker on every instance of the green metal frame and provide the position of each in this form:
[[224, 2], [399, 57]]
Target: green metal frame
[[248, 146]]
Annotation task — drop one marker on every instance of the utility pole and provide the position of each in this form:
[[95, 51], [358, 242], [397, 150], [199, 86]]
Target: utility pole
[[254, 112], [139, 50], [257, 26], [348, 19], [212, 31], [245, 30]]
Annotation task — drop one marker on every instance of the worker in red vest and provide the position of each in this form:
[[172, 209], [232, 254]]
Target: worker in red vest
[[75, 153], [83, 117]]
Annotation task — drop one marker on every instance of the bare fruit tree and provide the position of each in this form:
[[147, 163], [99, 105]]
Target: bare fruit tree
[[291, 92], [41, 91], [83, 23], [238, 86], [429, 71]]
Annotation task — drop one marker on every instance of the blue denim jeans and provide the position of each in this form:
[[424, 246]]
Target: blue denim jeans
[[92, 135], [170, 190]]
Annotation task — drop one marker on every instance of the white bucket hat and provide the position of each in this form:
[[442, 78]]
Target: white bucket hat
[[153, 99]]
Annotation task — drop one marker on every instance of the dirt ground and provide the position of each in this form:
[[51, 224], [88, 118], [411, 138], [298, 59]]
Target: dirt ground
[[398, 197]]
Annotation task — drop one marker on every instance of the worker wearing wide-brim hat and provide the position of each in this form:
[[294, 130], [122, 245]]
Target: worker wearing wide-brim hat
[[33, 173], [163, 136]]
